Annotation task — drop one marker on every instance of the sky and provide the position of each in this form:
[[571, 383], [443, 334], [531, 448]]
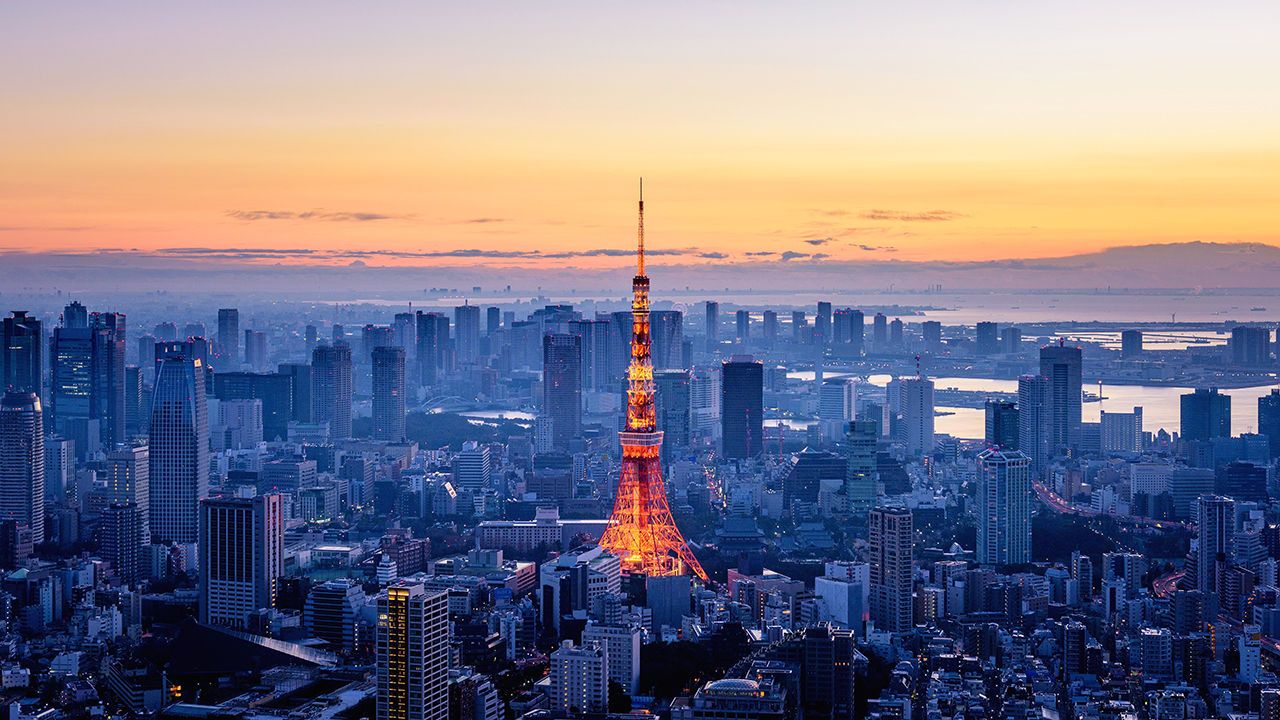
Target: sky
[[513, 134]]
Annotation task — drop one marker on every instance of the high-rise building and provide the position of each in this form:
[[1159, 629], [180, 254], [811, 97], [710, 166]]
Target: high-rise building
[[931, 333], [673, 404], [1001, 424], [121, 540], [1205, 414], [179, 445], [75, 315], [666, 330], [562, 387], [860, 450], [404, 329], [1003, 504], [890, 542], [241, 557], [1034, 421], [229, 337], [493, 319], [743, 318], [1121, 432], [1063, 367], [838, 400], [988, 338], [880, 330], [896, 327], [275, 390], [742, 407], [1269, 420], [21, 353], [916, 404], [770, 331], [412, 653], [472, 467], [388, 394], [1250, 345], [22, 462], [798, 325], [622, 642], [466, 318], [299, 375], [712, 309], [580, 678], [1131, 344], [255, 350], [822, 331], [1215, 520], [433, 341], [331, 388], [87, 377], [129, 482]]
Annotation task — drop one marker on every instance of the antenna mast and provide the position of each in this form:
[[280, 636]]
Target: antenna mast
[[640, 234]]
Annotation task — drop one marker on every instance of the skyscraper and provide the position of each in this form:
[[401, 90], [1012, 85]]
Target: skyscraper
[[466, 318], [1269, 419], [860, 451], [889, 533], [75, 315], [743, 318], [241, 557], [742, 407], [1131, 344], [121, 539], [562, 387], [666, 330], [1063, 367], [433, 341], [299, 375], [255, 350], [1001, 424], [179, 445], [493, 319], [388, 394], [822, 324], [412, 654], [331, 388], [673, 407], [22, 462], [770, 332], [988, 338], [917, 415], [880, 331], [1034, 431], [87, 367], [1003, 504], [1250, 346], [1205, 414], [229, 337], [712, 325], [275, 390], [1215, 520], [580, 678], [332, 613], [129, 482], [21, 353], [931, 333]]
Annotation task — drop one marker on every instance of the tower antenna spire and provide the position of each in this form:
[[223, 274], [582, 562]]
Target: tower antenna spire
[[640, 234]]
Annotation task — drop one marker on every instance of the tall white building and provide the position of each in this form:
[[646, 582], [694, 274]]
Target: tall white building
[[1121, 432], [129, 481], [704, 400], [580, 678], [623, 645], [838, 399], [241, 557], [472, 467], [916, 403], [1034, 422], [1003, 505], [412, 653], [179, 446]]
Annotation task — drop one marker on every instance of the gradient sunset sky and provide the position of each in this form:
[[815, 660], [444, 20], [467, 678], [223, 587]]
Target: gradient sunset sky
[[464, 133]]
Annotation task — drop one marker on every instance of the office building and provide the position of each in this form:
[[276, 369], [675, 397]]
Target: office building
[[1250, 346], [879, 330], [129, 482], [1205, 414], [562, 388], [122, 540], [742, 407], [987, 338], [22, 462], [241, 551], [332, 613], [466, 319], [859, 449], [1063, 367], [890, 544], [1003, 505], [1215, 520], [299, 375], [179, 444], [1121, 432], [743, 318], [472, 467], [388, 394], [672, 405], [412, 660], [433, 344], [87, 377], [1131, 344], [1034, 422], [229, 337], [331, 388], [712, 310], [1001, 424], [916, 405], [770, 328], [931, 334], [666, 334], [580, 678], [838, 400], [21, 353], [274, 390], [622, 644], [822, 331]]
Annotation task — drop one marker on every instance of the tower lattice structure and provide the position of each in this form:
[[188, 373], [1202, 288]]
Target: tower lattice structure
[[642, 532]]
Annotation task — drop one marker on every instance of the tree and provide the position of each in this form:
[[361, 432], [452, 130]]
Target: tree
[[619, 700]]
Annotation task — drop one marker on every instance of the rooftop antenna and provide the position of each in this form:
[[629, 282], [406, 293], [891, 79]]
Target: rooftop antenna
[[640, 233]]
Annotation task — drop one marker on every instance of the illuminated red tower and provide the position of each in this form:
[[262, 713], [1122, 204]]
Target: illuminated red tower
[[641, 530]]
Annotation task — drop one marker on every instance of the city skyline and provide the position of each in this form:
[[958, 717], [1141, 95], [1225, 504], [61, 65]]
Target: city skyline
[[445, 137]]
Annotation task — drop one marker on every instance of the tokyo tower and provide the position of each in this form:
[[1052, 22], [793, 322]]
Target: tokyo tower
[[641, 530]]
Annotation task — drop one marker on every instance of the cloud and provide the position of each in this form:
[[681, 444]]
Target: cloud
[[761, 253], [49, 228], [874, 248], [820, 241], [831, 213], [902, 216], [713, 255], [317, 215], [792, 255], [483, 220]]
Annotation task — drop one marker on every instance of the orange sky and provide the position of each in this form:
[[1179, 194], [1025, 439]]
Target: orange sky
[[922, 131]]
